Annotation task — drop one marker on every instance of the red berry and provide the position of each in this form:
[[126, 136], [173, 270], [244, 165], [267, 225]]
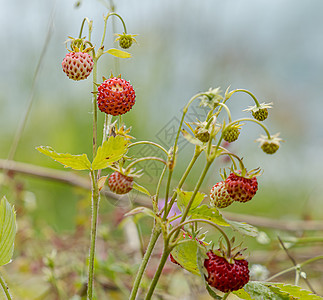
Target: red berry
[[77, 65], [225, 276], [219, 195], [116, 96], [119, 183], [240, 188]]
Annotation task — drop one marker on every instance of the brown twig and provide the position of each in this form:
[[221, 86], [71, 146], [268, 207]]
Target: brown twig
[[83, 182]]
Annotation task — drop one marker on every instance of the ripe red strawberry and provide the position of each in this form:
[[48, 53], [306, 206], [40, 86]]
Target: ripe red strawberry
[[77, 65], [116, 96], [225, 276], [219, 195], [119, 183], [241, 188]]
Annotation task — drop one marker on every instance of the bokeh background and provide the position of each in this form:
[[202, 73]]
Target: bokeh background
[[272, 48]]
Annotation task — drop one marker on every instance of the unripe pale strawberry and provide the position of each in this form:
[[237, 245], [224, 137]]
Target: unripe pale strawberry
[[219, 196], [77, 65], [119, 183], [116, 96], [225, 276]]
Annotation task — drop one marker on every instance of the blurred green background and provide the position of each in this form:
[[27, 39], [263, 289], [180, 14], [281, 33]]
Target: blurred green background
[[273, 49]]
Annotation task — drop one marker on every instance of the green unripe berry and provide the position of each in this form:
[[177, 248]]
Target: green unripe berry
[[260, 114], [269, 148], [202, 134], [231, 134], [125, 41]]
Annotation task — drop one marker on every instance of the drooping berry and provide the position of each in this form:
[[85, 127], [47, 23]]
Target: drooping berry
[[119, 183], [231, 133], [260, 111], [219, 196], [225, 276], [202, 134], [116, 96], [77, 65], [125, 40], [269, 144], [241, 188], [260, 114]]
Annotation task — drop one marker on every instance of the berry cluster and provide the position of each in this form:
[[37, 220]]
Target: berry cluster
[[235, 188]]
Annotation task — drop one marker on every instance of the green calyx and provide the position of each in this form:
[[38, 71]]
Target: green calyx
[[125, 40]]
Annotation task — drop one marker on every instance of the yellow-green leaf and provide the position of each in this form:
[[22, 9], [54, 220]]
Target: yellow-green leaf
[[140, 188], [76, 162], [111, 151], [184, 198], [207, 213], [118, 53], [7, 231]]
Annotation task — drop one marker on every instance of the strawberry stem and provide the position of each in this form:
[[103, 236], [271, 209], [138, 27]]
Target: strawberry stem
[[5, 288], [149, 143], [128, 169], [247, 92]]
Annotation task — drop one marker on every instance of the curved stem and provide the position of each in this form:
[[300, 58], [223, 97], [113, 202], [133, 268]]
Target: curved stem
[[143, 159], [94, 223], [82, 26], [155, 201], [149, 143], [105, 25], [247, 92], [226, 295], [227, 110], [95, 109], [173, 231], [153, 239], [251, 120], [5, 288]]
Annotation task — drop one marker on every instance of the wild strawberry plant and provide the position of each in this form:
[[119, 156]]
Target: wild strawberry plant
[[220, 264]]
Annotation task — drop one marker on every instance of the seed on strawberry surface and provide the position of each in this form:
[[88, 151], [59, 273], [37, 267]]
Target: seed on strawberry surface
[[116, 96], [241, 188], [77, 65], [119, 183], [219, 196], [225, 276]]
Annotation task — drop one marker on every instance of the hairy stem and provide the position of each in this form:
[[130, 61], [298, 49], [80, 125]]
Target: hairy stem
[[153, 239], [5, 288], [94, 223]]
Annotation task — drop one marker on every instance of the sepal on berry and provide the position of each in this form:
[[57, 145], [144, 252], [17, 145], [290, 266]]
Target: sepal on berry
[[260, 112], [125, 40], [269, 145]]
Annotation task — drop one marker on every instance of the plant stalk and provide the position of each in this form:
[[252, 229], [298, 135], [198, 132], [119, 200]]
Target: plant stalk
[[153, 239], [5, 288]]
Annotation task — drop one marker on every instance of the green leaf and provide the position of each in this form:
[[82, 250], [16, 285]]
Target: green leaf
[[242, 294], [244, 228], [293, 291], [76, 162], [185, 254], [141, 210], [118, 53], [140, 188], [111, 151], [7, 231], [208, 213], [259, 291], [193, 140], [184, 198]]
